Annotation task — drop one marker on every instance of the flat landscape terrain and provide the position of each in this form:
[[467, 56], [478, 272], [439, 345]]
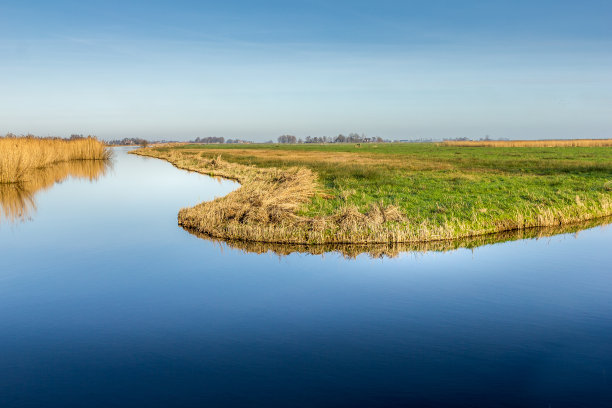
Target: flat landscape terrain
[[393, 192]]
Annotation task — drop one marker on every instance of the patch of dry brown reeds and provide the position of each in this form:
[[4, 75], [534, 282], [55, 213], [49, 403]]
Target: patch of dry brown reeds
[[531, 143], [334, 158], [20, 156], [392, 250]]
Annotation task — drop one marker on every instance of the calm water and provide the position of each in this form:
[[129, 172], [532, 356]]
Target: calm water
[[106, 302]]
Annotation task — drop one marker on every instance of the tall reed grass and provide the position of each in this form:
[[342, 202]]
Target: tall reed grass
[[532, 143], [391, 250], [21, 155]]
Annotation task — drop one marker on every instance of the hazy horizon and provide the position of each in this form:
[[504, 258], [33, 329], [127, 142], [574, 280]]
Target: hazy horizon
[[398, 70]]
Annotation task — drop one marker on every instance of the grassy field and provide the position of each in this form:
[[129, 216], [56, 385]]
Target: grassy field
[[533, 143], [21, 156], [393, 192]]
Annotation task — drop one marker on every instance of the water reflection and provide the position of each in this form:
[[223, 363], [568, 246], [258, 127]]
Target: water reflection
[[105, 299], [351, 251], [17, 200]]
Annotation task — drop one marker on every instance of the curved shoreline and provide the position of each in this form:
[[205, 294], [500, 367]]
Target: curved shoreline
[[391, 250], [265, 209]]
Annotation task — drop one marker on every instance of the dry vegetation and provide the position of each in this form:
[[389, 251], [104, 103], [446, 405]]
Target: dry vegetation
[[533, 143], [21, 156], [404, 194], [391, 250]]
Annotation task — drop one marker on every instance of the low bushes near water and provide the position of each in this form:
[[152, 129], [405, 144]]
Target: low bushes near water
[[20, 156], [392, 192]]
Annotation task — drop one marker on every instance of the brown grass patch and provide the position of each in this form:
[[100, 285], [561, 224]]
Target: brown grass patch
[[19, 156], [335, 158], [391, 250]]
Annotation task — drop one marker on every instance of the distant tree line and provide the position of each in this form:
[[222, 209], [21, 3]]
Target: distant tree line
[[467, 139], [287, 139], [219, 140], [208, 140], [131, 141], [350, 138]]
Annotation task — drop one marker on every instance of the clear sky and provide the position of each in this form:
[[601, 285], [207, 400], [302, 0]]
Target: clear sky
[[259, 69]]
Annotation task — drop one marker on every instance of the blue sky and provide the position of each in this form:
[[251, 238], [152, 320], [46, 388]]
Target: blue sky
[[258, 69]]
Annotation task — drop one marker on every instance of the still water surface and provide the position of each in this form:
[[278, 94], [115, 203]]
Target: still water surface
[[106, 302]]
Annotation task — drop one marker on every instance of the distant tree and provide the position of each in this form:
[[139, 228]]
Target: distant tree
[[209, 140], [287, 139]]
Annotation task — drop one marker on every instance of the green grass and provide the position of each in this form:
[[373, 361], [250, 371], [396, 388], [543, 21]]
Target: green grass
[[437, 183]]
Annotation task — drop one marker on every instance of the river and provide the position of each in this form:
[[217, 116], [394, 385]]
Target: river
[[106, 302]]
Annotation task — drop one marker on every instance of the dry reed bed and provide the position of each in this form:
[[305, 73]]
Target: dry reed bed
[[265, 209], [391, 250], [20, 156], [333, 158], [532, 143]]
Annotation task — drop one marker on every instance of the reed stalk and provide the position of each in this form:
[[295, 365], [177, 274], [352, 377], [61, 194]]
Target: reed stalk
[[20, 156]]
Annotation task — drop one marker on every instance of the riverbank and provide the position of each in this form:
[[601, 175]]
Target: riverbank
[[394, 249], [391, 193]]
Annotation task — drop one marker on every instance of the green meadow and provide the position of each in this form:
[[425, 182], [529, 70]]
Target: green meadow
[[437, 183]]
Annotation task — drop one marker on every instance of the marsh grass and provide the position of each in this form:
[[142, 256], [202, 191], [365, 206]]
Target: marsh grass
[[20, 156], [392, 250], [395, 192]]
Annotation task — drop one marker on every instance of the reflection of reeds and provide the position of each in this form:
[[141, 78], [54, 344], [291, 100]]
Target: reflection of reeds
[[20, 156], [532, 143], [16, 202], [392, 250], [17, 199]]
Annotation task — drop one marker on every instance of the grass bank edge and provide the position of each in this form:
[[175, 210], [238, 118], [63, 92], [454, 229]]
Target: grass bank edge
[[269, 207], [392, 250]]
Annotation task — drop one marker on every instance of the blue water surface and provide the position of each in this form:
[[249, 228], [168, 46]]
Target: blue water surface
[[106, 302]]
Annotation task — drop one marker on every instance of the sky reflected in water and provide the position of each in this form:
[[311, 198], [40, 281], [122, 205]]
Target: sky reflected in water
[[106, 301]]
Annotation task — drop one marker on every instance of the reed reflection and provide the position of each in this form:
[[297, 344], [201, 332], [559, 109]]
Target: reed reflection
[[17, 200], [351, 251]]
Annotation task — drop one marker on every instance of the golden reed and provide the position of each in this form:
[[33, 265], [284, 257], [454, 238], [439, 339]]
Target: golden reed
[[21, 155]]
